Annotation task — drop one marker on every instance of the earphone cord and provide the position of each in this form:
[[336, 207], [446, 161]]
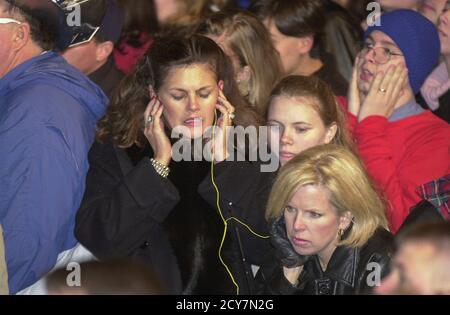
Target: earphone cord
[[225, 222]]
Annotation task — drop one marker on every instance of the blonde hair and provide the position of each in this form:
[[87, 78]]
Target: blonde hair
[[249, 40], [343, 175]]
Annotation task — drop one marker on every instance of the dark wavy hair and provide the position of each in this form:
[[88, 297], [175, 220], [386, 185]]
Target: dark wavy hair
[[124, 123], [297, 18]]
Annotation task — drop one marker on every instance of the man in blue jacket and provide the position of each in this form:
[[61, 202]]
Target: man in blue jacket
[[48, 112]]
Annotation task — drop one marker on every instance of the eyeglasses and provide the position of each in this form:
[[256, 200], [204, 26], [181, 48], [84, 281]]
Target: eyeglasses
[[381, 55], [7, 21]]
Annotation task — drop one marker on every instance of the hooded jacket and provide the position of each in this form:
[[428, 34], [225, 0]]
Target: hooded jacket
[[48, 112]]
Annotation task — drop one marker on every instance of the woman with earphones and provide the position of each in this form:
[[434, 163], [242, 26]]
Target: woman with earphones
[[141, 198]]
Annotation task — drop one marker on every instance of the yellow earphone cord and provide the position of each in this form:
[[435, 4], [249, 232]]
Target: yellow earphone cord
[[225, 222]]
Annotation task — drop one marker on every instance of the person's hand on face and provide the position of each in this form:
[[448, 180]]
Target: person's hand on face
[[224, 123], [354, 99], [384, 92], [154, 130]]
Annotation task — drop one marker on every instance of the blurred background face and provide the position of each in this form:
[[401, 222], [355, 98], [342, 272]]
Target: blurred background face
[[296, 126], [222, 42], [287, 47], [411, 270], [168, 9], [389, 5], [369, 67], [432, 9], [189, 96], [312, 223], [444, 30]]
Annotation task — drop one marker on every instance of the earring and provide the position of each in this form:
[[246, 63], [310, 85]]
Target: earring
[[340, 233]]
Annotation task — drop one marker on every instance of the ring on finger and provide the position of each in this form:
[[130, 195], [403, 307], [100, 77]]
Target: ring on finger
[[382, 90], [150, 120]]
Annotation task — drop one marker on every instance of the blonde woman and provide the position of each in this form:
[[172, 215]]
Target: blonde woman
[[328, 227], [247, 43]]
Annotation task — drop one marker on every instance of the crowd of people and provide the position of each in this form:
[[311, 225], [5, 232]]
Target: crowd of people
[[133, 144]]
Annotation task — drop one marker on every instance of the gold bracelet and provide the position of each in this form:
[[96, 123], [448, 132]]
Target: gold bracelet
[[160, 168]]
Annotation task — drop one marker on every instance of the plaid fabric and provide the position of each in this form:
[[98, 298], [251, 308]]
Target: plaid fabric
[[437, 193]]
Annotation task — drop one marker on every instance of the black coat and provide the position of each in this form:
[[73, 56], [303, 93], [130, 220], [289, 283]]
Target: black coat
[[349, 270], [443, 110], [330, 75], [341, 36], [444, 107], [244, 191], [130, 211]]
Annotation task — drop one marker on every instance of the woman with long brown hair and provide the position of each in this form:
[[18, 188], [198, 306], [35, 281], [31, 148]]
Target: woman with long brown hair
[[141, 199]]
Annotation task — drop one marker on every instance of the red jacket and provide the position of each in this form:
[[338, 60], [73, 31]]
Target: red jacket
[[402, 155]]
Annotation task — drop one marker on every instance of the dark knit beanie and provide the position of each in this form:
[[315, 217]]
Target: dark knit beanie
[[416, 37]]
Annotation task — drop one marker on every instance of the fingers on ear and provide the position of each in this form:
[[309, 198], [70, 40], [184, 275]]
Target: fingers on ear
[[151, 91]]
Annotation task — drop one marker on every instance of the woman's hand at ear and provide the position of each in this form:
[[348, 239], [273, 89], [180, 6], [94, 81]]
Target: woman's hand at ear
[[224, 123], [154, 131]]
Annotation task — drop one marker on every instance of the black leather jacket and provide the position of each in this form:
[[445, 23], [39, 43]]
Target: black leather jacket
[[350, 270]]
